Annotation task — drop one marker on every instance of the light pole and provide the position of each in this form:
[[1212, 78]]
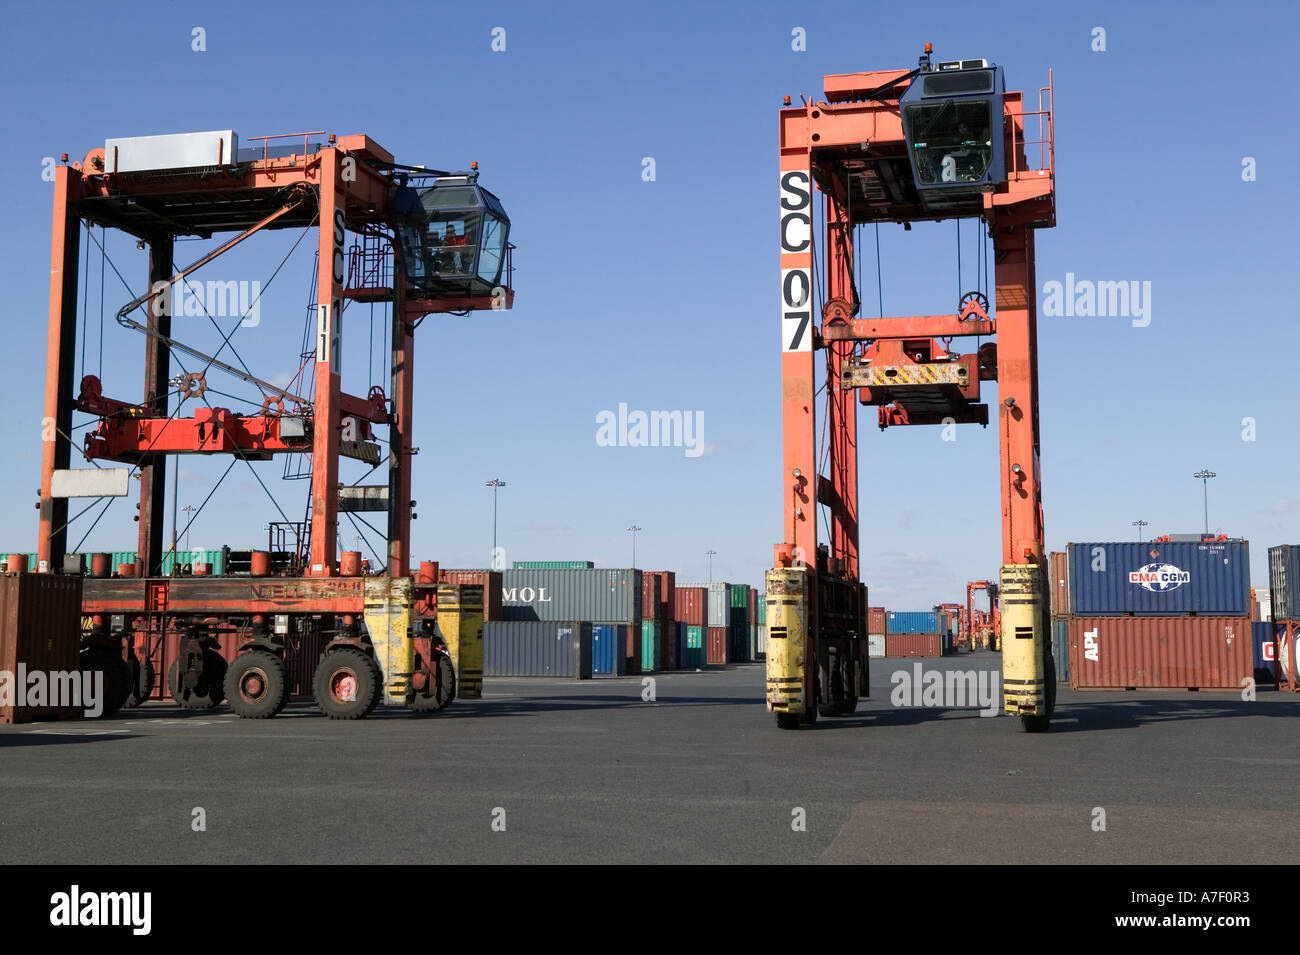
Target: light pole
[[1205, 474], [710, 554], [188, 509], [634, 529], [496, 484], [1139, 525]]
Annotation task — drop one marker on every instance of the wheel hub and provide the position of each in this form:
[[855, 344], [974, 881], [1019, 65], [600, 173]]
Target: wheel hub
[[344, 686]]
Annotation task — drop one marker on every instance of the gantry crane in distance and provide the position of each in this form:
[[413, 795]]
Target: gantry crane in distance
[[424, 241], [942, 141], [979, 627]]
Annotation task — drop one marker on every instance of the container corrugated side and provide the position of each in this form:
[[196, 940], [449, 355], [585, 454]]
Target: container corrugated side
[[650, 596], [914, 644], [1181, 652], [716, 650], [607, 651], [529, 648], [552, 565], [40, 628], [651, 649], [1058, 583], [875, 620], [911, 621], [718, 610], [601, 596], [1210, 578], [1284, 581], [876, 645], [1061, 648], [696, 651], [690, 605], [760, 610]]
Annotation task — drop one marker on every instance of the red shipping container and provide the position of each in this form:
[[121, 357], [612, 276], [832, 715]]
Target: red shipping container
[[691, 605], [489, 580], [651, 595], [717, 645], [1160, 653], [40, 628], [632, 641], [1058, 584], [667, 588], [875, 620], [913, 645]]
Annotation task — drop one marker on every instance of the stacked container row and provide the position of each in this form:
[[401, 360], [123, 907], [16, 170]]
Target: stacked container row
[[533, 648], [1167, 614]]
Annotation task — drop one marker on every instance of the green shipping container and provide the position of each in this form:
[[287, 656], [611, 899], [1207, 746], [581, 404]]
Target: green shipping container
[[695, 657], [760, 609], [651, 640], [553, 565], [216, 558]]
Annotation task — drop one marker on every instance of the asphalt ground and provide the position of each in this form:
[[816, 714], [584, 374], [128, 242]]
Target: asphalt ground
[[561, 771]]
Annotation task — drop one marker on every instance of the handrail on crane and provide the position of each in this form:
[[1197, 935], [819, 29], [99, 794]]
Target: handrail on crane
[[306, 140], [1046, 141]]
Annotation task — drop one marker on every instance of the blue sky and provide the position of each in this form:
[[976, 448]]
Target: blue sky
[[663, 294]]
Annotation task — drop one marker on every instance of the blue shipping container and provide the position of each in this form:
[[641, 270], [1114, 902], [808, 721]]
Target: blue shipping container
[[608, 655], [1262, 638], [531, 648], [1061, 648], [1155, 579], [912, 621], [1283, 581]]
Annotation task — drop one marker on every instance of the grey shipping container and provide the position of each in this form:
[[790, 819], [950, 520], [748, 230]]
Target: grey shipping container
[[603, 596], [1284, 581], [1061, 648], [520, 648], [719, 603], [1150, 578]]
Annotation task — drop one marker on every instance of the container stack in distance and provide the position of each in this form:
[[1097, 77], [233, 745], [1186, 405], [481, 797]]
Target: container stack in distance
[[1159, 614], [916, 633], [1284, 605]]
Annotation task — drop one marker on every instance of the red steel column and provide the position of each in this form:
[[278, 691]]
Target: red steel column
[[842, 406], [325, 440], [1022, 510], [153, 474], [56, 448], [399, 433], [798, 378]]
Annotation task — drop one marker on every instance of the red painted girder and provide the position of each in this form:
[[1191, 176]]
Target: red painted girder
[[913, 326], [225, 595], [211, 430]]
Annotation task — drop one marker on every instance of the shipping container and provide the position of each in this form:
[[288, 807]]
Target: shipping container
[[717, 645], [914, 645], [529, 648], [876, 620], [1264, 653], [489, 580], [1181, 652], [651, 648], [608, 657], [40, 630], [1061, 648], [1285, 646], [602, 596], [1284, 581], [718, 608], [1058, 584], [552, 565], [761, 634], [650, 596], [1160, 579], [696, 654], [690, 605], [876, 645], [760, 610], [912, 621]]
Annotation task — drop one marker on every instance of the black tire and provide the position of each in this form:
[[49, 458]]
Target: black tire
[[444, 690], [257, 685], [211, 686], [114, 682], [788, 721], [345, 684], [143, 678]]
